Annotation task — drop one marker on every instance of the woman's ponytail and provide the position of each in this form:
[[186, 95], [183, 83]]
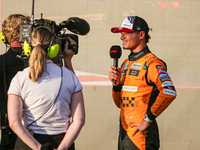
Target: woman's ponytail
[[40, 41]]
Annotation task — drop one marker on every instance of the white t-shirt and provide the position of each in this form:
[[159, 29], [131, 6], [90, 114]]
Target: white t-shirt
[[38, 96]]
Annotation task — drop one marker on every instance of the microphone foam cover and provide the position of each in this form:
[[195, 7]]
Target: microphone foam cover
[[78, 25], [115, 51]]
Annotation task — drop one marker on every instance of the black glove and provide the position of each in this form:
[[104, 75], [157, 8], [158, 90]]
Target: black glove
[[47, 146]]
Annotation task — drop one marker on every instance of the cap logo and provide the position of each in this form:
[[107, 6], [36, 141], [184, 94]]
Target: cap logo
[[138, 28], [128, 25], [131, 19]]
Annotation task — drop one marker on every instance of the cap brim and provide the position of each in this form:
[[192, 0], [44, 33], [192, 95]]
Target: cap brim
[[120, 29]]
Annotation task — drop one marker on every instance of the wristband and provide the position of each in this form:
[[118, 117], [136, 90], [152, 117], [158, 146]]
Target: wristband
[[147, 119]]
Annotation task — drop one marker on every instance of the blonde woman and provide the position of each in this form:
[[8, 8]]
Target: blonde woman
[[32, 94]]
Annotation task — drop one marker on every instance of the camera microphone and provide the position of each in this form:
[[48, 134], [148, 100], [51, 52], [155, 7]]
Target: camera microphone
[[115, 53], [76, 25]]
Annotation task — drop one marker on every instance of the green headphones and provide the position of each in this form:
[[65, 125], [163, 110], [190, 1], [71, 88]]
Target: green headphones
[[52, 50]]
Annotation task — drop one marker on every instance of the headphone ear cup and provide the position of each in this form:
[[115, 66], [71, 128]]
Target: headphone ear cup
[[52, 52], [27, 48], [3, 38]]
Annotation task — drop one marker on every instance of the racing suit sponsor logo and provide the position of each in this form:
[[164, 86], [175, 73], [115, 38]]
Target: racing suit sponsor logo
[[128, 102], [160, 67], [170, 87], [169, 92], [136, 66], [167, 83], [128, 105], [163, 75], [129, 117], [123, 72], [134, 72], [161, 71], [129, 123], [126, 65], [138, 55], [131, 19], [165, 79], [130, 88]]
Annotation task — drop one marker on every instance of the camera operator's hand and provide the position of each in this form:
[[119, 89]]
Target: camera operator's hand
[[68, 54]]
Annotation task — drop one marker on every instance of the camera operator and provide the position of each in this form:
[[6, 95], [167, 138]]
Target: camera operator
[[9, 65], [34, 89]]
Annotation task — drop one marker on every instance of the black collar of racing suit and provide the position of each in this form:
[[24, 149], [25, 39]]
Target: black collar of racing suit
[[138, 55]]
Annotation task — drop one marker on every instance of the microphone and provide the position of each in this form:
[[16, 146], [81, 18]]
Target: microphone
[[115, 53], [76, 25]]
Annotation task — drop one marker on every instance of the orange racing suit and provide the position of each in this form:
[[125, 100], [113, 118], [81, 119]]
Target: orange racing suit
[[145, 88]]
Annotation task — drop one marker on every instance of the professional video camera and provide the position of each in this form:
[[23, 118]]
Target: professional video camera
[[74, 24]]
